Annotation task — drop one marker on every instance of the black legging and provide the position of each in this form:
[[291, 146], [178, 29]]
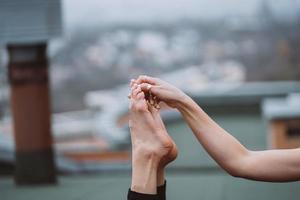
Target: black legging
[[161, 194]]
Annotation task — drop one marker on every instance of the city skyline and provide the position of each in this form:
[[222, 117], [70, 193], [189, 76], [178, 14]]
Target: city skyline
[[108, 12]]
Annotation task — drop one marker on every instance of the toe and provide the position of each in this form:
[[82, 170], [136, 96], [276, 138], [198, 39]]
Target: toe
[[140, 95], [134, 91], [132, 81], [138, 102]]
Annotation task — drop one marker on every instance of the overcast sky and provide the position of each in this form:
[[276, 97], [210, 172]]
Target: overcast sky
[[99, 12]]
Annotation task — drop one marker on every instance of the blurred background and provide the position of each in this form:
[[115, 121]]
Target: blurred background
[[239, 60]]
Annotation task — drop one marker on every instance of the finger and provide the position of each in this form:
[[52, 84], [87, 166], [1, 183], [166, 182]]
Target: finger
[[136, 91], [134, 86], [156, 101], [150, 88], [146, 87], [147, 79], [151, 108], [132, 89]]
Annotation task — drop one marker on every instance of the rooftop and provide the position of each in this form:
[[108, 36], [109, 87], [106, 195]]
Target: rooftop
[[194, 174], [282, 108], [187, 185]]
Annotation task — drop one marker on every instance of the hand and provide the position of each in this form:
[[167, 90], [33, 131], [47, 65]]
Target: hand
[[163, 90]]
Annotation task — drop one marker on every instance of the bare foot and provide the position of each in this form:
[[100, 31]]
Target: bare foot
[[149, 137], [146, 121], [149, 144], [172, 154]]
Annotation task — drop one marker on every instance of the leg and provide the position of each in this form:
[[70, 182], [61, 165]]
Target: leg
[[171, 156], [149, 145]]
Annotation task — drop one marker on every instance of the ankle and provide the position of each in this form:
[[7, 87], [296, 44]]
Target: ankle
[[154, 152], [143, 154]]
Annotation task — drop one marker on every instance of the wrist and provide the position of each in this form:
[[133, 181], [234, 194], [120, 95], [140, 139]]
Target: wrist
[[183, 102]]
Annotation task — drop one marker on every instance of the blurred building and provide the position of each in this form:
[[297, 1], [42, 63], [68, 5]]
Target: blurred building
[[283, 115], [25, 29]]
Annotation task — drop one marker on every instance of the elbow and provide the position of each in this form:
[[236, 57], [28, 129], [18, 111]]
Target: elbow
[[240, 167], [236, 172]]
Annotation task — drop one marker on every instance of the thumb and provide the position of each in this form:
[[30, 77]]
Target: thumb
[[146, 87]]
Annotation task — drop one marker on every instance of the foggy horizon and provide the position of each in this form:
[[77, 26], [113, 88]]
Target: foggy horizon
[[107, 12]]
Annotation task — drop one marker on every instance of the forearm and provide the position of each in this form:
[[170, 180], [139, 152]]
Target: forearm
[[221, 146], [273, 165]]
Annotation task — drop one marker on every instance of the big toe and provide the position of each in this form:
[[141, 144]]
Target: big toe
[[138, 102]]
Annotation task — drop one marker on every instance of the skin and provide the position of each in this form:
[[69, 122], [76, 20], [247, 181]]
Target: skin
[[172, 155], [152, 147], [227, 151]]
